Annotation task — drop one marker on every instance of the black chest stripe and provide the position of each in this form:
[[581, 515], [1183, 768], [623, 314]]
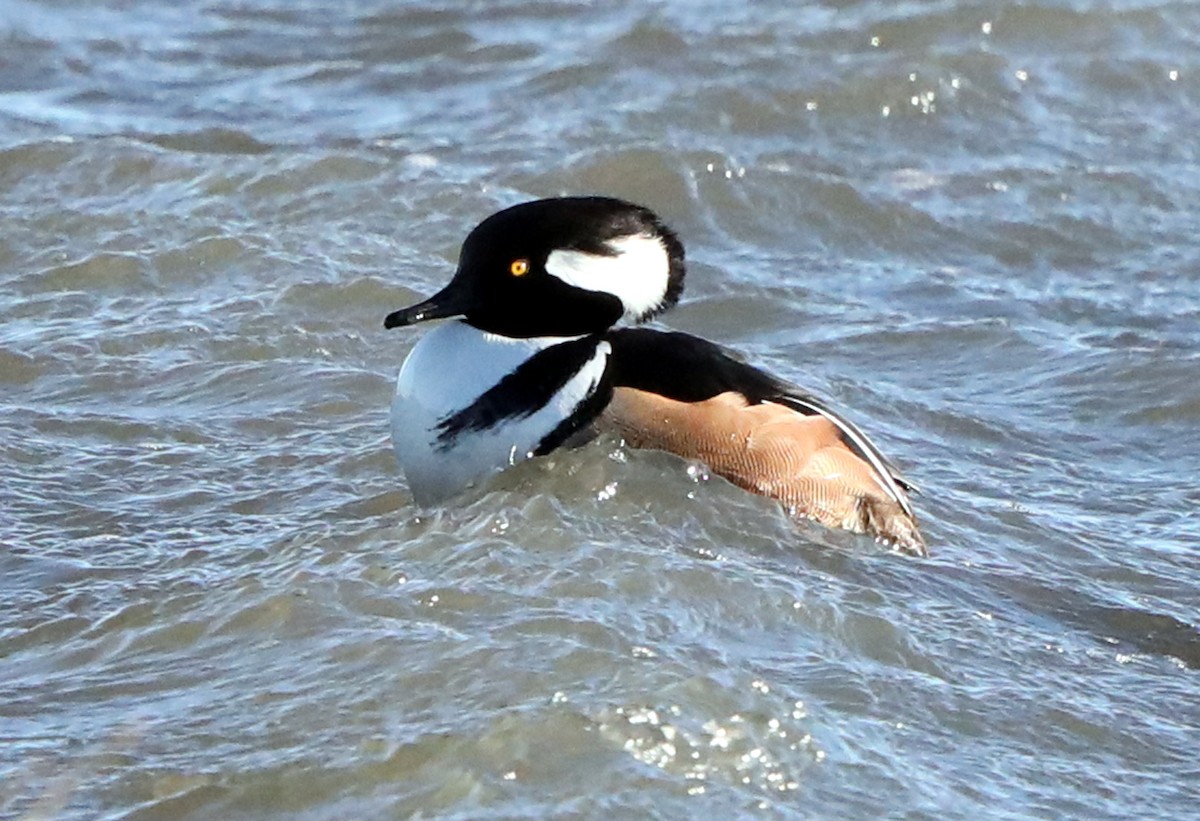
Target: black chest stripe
[[521, 393], [587, 410]]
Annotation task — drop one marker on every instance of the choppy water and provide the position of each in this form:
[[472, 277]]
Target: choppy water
[[974, 225]]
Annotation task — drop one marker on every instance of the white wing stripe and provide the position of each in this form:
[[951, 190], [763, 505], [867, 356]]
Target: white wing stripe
[[882, 474]]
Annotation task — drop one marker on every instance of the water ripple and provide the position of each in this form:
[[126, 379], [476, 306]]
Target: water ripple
[[971, 227]]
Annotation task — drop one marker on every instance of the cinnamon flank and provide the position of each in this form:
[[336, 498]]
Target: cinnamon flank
[[769, 449]]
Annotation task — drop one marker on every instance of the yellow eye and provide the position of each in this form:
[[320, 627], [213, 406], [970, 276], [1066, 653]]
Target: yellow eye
[[519, 267]]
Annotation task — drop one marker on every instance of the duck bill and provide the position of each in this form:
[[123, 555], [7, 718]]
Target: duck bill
[[448, 302]]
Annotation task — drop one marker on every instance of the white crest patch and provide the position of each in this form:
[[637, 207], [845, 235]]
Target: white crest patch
[[637, 273]]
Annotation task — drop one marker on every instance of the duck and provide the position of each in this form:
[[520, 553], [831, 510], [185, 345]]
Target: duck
[[544, 345]]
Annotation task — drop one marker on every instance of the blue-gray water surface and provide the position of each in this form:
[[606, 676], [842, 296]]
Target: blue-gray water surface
[[972, 225]]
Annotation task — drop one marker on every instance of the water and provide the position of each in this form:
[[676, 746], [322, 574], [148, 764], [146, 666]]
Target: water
[[972, 225]]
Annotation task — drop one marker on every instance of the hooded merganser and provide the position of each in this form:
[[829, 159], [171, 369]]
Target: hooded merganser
[[533, 358]]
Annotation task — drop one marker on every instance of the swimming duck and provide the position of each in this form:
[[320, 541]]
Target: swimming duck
[[533, 357]]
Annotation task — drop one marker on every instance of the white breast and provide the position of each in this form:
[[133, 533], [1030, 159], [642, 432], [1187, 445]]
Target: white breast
[[447, 370]]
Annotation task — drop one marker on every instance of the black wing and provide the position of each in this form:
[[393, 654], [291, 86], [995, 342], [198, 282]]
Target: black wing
[[690, 369]]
